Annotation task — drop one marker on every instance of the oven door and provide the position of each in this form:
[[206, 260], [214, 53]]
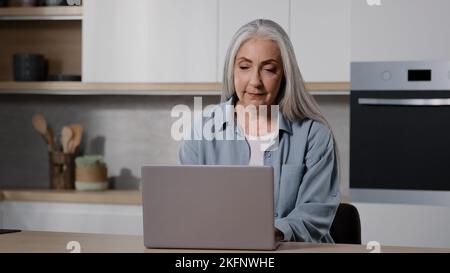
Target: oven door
[[400, 140]]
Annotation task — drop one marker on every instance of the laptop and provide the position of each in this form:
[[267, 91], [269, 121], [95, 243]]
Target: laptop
[[208, 207]]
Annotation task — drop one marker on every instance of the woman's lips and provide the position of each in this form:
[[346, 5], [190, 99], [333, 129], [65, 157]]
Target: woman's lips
[[255, 95]]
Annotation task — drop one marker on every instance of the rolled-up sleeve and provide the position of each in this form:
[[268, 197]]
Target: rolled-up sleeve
[[318, 196]]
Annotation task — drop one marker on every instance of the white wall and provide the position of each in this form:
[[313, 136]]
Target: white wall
[[400, 30]]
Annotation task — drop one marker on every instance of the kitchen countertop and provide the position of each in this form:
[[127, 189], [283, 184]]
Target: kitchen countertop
[[119, 197], [36, 241]]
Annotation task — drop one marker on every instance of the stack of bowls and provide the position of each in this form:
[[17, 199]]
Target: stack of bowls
[[29, 67]]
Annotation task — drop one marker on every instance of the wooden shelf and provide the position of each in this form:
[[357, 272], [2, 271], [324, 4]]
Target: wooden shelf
[[118, 197], [41, 13], [157, 89]]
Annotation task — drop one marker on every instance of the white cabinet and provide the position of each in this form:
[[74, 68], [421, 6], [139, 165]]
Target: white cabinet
[[320, 33], [150, 41], [400, 30], [72, 217], [405, 224], [235, 13], [186, 41]]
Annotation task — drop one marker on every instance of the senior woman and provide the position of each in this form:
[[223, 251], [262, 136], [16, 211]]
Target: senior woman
[[261, 70]]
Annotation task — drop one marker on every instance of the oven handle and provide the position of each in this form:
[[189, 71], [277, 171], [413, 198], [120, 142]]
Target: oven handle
[[405, 102]]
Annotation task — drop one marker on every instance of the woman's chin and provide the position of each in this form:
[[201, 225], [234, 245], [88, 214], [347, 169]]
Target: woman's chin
[[255, 100]]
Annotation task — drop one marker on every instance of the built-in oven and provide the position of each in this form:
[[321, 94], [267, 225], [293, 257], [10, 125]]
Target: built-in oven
[[400, 132]]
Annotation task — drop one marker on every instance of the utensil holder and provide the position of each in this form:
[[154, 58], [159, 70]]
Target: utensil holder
[[62, 170]]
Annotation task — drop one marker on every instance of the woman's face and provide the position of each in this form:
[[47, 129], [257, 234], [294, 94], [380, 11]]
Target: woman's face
[[258, 72]]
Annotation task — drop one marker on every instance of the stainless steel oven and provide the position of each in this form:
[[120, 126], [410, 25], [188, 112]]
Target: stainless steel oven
[[400, 132]]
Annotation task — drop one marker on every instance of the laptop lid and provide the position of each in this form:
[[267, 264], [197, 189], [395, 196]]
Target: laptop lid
[[210, 207]]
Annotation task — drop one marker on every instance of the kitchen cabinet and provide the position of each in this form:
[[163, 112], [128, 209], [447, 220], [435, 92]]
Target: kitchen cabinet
[[235, 13], [400, 30], [71, 217], [111, 212], [404, 224], [150, 41], [320, 33]]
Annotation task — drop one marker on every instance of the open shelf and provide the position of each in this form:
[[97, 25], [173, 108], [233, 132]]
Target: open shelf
[[41, 13], [157, 89], [58, 41]]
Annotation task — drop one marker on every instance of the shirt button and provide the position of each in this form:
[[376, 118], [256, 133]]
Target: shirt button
[[276, 214]]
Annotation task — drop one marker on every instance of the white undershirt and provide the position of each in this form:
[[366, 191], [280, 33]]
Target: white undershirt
[[258, 145]]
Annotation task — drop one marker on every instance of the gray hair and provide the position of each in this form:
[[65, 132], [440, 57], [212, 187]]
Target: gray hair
[[295, 102]]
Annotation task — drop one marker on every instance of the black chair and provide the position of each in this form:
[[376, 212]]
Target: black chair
[[346, 227]]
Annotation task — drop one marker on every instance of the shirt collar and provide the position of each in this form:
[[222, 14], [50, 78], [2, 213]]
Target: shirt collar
[[284, 124]]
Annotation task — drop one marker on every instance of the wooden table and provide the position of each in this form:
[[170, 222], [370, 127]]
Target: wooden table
[[35, 241]]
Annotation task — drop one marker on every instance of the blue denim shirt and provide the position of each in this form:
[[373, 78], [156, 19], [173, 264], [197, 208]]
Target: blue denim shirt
[[306, 173]]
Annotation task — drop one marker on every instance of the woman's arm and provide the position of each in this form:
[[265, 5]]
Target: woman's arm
[[190, 148], [279, 236], [188, 154], [318, 196]]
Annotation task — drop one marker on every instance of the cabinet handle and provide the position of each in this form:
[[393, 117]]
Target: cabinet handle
[[405, 102]]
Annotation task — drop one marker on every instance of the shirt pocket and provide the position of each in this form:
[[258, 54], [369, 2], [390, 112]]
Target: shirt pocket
[[290, 180]]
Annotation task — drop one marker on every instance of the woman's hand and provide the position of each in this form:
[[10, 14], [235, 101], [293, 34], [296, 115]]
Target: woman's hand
[[279, 236]]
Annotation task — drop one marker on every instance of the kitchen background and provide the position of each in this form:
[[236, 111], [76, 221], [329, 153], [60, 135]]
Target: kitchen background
[[160, 41]]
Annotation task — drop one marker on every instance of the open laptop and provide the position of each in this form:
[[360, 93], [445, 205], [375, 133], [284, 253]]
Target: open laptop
[[208, 207]]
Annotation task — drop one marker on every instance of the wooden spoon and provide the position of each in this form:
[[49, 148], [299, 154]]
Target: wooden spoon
[[40, 125], [52, 138], [66, 136], [77, 130]]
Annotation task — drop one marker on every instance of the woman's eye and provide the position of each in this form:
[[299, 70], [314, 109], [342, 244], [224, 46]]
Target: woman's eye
[[271, 70], [244, 67]]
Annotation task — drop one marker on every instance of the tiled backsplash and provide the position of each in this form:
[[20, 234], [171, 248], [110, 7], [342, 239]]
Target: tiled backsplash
[[128, 130]]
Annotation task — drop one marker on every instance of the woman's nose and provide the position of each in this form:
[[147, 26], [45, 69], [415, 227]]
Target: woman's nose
[[255, 78]]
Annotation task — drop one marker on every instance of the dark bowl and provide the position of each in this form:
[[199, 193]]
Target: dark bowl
[[29, 67], [65, 78]]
